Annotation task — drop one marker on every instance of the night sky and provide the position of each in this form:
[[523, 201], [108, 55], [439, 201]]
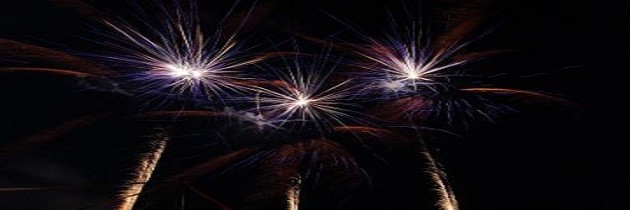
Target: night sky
[[536, 156]]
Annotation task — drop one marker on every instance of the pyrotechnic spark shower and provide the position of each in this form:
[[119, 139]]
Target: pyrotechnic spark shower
[[302, 95], [422, 74], [172, 55], [405, 66]]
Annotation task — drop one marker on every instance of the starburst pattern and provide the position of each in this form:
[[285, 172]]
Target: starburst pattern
[[305, 95], [171, 55]]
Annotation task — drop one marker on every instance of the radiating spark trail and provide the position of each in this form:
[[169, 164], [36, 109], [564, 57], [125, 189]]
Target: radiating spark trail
[[305, 103], [293, 194], [446, 197], [171, 55], [47, 70], [189, 113], [418, 76], [208, 198], [142, 173], [402, 66], [524, 93], [37, 54], [525, 97], [302, 95], [408, 60]]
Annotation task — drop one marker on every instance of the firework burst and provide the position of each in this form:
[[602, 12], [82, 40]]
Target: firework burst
[[304, 94], [169, 54], [405, 67], [419, 75], [406, 64]]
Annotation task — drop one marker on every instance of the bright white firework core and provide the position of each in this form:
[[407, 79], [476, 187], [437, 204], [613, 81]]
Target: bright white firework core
[[410, 68], [302, 101], [412, 74], [184, 71]]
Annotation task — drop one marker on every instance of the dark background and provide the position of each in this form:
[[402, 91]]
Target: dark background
[[540, 157]]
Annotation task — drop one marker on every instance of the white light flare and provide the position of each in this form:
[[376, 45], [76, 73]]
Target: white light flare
[[302, 101], [184, 72]]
